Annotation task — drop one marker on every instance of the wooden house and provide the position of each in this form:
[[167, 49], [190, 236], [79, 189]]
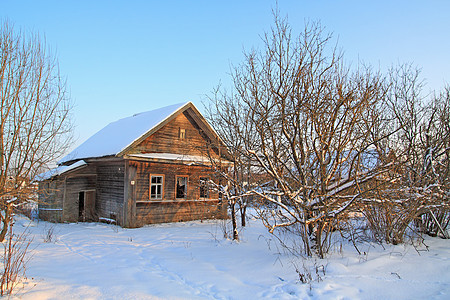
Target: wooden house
[[148, 168]]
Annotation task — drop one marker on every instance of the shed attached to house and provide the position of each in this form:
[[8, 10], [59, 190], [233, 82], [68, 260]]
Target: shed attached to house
[[149, 168]]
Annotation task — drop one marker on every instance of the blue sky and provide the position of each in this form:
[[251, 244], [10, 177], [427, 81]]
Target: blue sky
[[124, 57]]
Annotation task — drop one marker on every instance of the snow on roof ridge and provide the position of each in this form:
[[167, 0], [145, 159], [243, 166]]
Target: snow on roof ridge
[[120, 134], [179, 105]]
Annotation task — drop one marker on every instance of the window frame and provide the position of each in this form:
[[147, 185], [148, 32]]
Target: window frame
[[204, 186], [182, 133], [156, 184], [186, 188]]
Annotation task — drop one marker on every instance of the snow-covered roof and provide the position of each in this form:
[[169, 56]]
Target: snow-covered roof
[[59, 170], [119, 135]]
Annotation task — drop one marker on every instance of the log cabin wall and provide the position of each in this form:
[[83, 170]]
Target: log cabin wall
[[177, 211], [110, 190], [59, 196], [51, 200], [75, 185], [170, 172], [169, 208], [168, 140]]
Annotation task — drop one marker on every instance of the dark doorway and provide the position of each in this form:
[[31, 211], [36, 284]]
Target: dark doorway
[[86, 206], [81, 212]]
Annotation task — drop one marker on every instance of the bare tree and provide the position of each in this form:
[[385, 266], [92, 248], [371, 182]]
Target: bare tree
[[15, 257], [435, 170], [418, 189], [314, 131], [230, 118], [391, 210], [35, 122], [430, 182]]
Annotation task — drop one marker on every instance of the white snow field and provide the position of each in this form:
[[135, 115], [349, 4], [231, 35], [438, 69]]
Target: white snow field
[[192, 260]]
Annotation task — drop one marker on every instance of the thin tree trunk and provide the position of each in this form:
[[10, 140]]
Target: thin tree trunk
[[5, 221], [243, 210], [233, 221]]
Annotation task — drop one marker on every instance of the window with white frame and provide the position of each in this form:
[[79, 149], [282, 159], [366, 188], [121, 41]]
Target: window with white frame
[[156, 187]]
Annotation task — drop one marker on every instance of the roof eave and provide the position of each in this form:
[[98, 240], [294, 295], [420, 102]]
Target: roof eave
[[187, 161]]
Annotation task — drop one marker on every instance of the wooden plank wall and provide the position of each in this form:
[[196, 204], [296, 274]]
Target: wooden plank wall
[[110, 190], [179, 211], [171, 209], [51, 200], [105, 178], [63, 193], [74, 185], [166, 139], [170, 171]]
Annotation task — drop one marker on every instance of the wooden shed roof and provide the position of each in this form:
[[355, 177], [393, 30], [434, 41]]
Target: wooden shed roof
[[60, 170]]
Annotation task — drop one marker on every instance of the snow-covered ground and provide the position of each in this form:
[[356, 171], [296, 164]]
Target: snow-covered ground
[[192, 260]]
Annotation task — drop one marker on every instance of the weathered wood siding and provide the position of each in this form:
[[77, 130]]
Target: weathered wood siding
[[51, 195], [110, 190], [59, 197], [170, 209], [178, 211], [170, 172], [75, 185], [166, 139]]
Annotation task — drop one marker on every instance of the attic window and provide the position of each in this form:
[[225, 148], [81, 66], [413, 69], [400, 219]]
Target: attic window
[[182, 133]]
